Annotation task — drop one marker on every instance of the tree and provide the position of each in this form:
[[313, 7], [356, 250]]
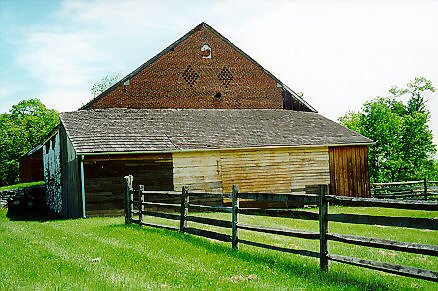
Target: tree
[[22, 129], [403, 148], [104, 83]]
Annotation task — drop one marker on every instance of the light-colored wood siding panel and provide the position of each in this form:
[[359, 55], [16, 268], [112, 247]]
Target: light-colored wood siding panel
[[309, 167], [198, 171], [258, 170], [275, 170], [265, 170]]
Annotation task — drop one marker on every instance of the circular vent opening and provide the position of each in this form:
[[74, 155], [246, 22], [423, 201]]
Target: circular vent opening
[[218, 95]]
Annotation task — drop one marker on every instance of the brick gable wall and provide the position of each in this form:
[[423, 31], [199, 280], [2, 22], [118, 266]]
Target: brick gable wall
[[182, 78]]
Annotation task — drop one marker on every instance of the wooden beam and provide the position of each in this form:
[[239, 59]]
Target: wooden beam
[[415, 248], [275, 248], [210, 221], [209, 234], [162, 215], [234, 216], [389, 268], [284, 232], [211, 208], [323, 228], [409, 222], [184, 208], [164, 205], [387, 203], [289, 213], [291, 199], [159, 226]]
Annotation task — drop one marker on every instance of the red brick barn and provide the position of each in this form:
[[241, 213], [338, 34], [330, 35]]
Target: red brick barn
[[201, 113]]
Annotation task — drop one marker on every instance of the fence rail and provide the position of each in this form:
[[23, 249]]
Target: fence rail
[[422, 189], [136, 202]]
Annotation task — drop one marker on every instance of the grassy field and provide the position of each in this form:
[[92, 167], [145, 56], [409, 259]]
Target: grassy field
[[104, 253], [21, 185]]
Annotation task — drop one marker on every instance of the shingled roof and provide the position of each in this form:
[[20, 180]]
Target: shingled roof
[[141, 130]]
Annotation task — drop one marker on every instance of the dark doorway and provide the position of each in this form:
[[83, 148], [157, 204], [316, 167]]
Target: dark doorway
[[104, 179]]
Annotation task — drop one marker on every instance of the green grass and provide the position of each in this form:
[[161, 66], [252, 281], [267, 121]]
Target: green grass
[[21, 185], [103, 253]]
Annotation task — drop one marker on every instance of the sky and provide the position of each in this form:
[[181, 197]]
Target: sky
[[340, 54]]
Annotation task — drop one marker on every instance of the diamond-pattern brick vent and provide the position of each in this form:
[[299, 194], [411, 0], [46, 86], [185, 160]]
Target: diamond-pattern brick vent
[[225, 77], [190, 76]]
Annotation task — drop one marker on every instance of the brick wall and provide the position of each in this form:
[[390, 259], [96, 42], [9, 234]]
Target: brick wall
[[183, 78]]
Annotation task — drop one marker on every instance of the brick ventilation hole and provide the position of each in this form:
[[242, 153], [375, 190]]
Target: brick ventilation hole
[[225, 77], [190, 76]]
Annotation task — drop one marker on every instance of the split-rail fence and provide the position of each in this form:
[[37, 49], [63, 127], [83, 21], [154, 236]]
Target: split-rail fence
[[422, 189], [137, 205]]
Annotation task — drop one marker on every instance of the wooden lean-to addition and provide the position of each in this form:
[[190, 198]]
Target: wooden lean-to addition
[[349, 171]]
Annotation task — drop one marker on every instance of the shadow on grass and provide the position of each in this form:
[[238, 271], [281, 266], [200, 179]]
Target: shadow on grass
[[30, 215], [289, 266]]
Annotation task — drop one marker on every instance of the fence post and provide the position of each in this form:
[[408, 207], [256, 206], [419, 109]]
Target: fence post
[[425, 188], [234, 220], [127, 188], [323, 228], [184, 210], [140, 204]]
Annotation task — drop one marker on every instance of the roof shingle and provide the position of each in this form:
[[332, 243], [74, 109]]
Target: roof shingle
[[136, 130]]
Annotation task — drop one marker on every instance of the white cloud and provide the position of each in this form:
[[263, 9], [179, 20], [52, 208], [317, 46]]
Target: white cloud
[[61, 59]]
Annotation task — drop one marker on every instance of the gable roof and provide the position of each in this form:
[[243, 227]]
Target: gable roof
[[170, 130], [184, 37]]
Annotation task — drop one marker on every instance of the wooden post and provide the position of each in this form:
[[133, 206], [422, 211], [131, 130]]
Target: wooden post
[[234, 218], [140, 204], [323, 228], [184, 210], [425, 188], [127, 191]]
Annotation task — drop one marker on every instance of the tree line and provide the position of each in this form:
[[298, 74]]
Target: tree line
[[403, 148], [23, 128]]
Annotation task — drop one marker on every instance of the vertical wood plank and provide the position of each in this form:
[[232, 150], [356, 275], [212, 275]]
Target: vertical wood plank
[[140, 204], [323, 228], [425, 188], [332, 172], [234, 218], [361, 188], [341, 157], [337, 169], [184, 210], [356, 172], [128, 198], [366, 180]]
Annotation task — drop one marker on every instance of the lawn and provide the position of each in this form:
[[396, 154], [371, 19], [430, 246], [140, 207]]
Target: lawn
[[104, 253], [22, 185]]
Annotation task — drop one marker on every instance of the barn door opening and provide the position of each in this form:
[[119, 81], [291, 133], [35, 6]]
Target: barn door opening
[[104, 179]]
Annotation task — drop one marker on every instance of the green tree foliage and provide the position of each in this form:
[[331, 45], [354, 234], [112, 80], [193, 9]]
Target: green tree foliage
[[104, 83], [403, 148], [23, 128]]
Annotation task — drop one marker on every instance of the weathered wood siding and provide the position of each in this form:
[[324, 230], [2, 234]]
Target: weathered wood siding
[[71, 187], [52, 173], [31, 167], [261, 170], [198, 170], [104, 179], [349, 171], [309, 168], [275, 170]]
